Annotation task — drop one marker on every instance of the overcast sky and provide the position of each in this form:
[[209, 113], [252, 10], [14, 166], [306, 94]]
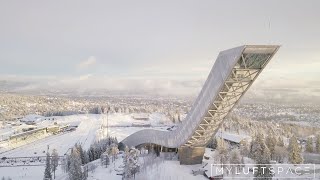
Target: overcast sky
[[166, 45]]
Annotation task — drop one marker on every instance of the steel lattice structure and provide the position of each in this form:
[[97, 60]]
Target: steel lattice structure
[[231, 76]]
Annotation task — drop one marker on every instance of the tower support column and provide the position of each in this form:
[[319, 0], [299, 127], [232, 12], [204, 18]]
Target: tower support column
[[191, 155]]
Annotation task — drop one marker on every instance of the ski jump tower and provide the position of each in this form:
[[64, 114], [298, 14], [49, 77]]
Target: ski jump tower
[[233, 73]]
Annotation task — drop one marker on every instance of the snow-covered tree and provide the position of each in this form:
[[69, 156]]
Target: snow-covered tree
[[75, 171], [47, 171], [105, 160], [86, 157], [261, 154], [280, 142], [280, 153], [318, 144], [271, 142], [221, 153], [173, 119], [242, 162], [179, 118], [94, 152], [54, 162], [114, 151], [126, 170], [126, 150], [91, 153], [263, 170], [244, 150], [96, 149], [131, 163], [96, 110], [65, 163], [235, 160], [257, 147], [82, 154], [309, 146], [294, 151]]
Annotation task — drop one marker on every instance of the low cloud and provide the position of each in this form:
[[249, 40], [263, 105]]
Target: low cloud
[[89, 62], [95, 84], [85, 77]]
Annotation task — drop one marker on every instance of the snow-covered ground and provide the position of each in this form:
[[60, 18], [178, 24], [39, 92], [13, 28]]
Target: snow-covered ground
[[119, 119], [101, 172], [159, 169], [25, 172], [170, 170], [88, 131]]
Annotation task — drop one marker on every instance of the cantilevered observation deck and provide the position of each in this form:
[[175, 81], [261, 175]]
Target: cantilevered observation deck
[[231, 76]]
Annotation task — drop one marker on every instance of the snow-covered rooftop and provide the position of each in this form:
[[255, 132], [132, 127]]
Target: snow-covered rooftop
[[237, 138], [32, 118]]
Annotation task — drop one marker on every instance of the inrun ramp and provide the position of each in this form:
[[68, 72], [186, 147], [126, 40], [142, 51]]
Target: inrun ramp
[[231, 76]]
